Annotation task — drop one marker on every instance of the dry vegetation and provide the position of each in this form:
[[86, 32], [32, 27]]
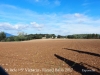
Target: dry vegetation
[[50, 57]]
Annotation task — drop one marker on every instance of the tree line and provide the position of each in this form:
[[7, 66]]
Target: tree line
[[84, 36], [22, 36]]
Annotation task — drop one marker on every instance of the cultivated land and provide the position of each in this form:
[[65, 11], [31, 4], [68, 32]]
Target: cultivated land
[[51, 57]]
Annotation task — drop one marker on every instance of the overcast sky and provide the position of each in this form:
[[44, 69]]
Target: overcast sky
[[62, 17]]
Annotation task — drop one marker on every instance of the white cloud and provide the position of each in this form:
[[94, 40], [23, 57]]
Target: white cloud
[[78, 15], [30, 21], [8, 26], [36, 25]]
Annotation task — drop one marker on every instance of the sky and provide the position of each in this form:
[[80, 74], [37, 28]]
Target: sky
[[60, 17]]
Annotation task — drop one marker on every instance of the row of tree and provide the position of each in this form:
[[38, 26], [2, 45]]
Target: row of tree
[[84, 36], [22, 36]]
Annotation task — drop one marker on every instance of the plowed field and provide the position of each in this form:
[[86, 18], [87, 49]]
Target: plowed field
[[51, 57]]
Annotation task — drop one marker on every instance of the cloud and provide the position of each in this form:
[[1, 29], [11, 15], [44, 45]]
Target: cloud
[[8, 26], [20, 27], [78, 15], [36, 25], [19, 19]]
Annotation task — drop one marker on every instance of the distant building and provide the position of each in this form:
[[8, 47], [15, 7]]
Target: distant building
[[43, 37]]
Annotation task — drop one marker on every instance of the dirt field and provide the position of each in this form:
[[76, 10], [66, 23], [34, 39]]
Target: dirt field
[[51, 57]]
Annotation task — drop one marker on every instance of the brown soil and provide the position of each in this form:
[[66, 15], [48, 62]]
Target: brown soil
[[51, 57]]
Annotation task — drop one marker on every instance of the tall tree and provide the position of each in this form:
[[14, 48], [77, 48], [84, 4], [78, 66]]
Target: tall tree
[[2, 36], [21, 36]]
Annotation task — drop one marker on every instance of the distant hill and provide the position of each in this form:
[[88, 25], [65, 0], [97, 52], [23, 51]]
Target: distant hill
[[8, 35]]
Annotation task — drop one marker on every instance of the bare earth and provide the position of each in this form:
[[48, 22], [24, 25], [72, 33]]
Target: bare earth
[[51, 57]]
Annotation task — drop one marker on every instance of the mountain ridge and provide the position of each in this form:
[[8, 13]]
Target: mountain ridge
[[8, 34]]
